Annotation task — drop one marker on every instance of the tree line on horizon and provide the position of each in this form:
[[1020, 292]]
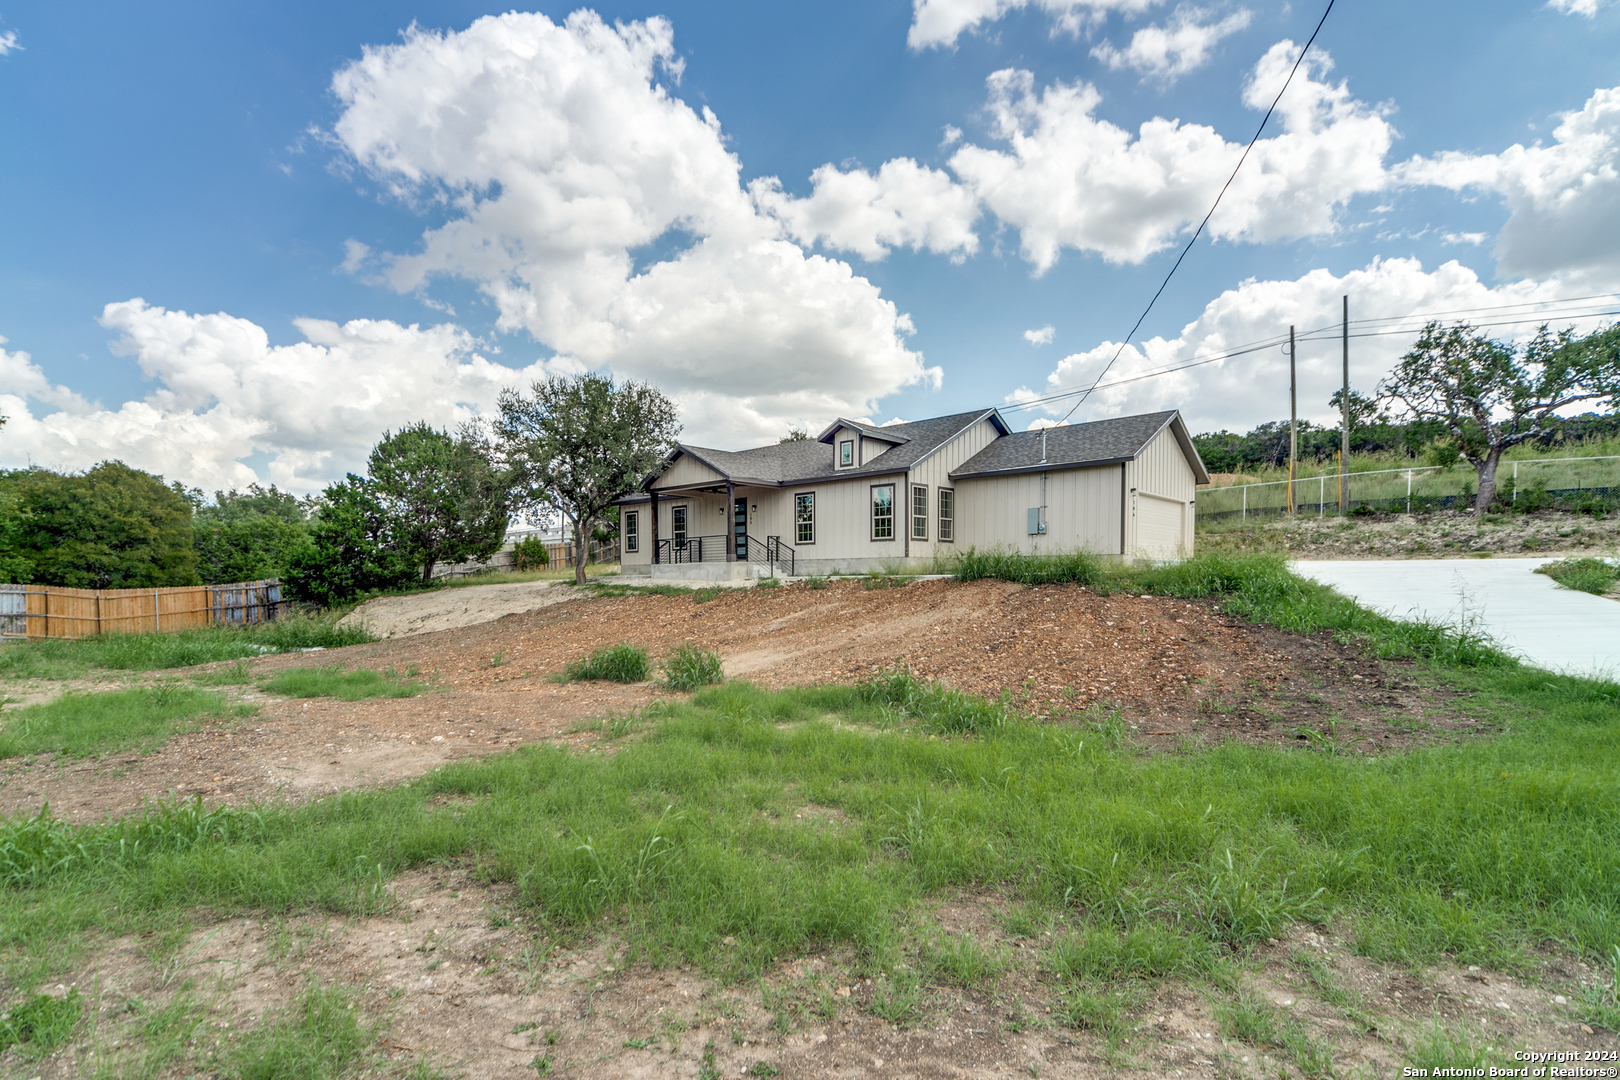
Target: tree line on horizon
[[571, 447]]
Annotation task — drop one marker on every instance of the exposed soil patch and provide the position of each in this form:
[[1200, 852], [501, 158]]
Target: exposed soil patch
[[1176, 670], [1443, 534], [466, 984]]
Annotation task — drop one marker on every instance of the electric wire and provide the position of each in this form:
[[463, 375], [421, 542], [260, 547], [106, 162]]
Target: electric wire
[[1222, 194], [1368, 328]]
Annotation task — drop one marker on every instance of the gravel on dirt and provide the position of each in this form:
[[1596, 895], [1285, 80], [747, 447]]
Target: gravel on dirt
[[1442, 534]]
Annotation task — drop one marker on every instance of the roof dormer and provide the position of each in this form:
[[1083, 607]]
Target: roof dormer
[[855, 444]]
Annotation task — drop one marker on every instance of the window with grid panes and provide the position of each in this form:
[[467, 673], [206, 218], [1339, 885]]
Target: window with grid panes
[[919, 511], [947, 515], [883, 512]]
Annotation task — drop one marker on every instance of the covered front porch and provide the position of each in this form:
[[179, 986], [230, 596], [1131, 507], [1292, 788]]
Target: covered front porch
[[699, 529]]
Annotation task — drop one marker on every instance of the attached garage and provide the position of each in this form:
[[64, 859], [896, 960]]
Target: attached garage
[[1122, 487]]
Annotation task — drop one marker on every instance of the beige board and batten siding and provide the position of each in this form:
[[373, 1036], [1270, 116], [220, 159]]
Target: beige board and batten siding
[[1082, 511], [686, 471], [934, 471], [843, 519], [1162, 488]]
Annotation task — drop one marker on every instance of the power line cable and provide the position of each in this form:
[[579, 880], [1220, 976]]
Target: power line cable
[[1416, 322], [1199, 231]]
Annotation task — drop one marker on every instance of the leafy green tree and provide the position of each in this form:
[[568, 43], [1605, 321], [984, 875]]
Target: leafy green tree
[[15, 566], [1490, 395], [350, 550], [580, 443], [442, 497], [110, 527], [249, 535]]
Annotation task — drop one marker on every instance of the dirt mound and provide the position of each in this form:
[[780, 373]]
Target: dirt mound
[[447, 609], [1175, 671]]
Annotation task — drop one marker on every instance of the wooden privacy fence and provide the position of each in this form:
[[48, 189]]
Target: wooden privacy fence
[[41, 611]]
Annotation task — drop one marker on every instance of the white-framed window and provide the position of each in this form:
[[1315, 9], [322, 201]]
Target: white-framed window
[[804, 518], [919, 511], [883, 511], [632, 530], [846, 453], [947, 515], [677, 523]]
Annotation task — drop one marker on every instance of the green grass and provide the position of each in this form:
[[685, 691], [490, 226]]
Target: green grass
[[683, 841], [332, 681], [39, 1024], [1075, 567], [321, 1037], [59, 658], [687, 667], [623, 663], [1479, 850], [1257, 587], [1596, 576], [141, 718]]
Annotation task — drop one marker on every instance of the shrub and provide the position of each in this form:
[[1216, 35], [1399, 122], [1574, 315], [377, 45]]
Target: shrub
[[624, 662], [530, 554], [688, 667]]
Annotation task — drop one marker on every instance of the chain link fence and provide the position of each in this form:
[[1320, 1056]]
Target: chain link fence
[[1570, 483]]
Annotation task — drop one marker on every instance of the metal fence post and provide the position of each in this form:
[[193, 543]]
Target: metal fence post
[[1408, 492], [1515, 482], [1321, 496]]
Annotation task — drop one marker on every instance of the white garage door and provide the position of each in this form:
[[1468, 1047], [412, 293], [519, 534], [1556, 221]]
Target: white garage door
[[1159, 527]]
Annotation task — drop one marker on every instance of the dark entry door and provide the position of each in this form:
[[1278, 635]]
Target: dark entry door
[[739, 529]]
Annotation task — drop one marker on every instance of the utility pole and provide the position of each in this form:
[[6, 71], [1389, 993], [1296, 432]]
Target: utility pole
[[1293, 420], [1344, 412]]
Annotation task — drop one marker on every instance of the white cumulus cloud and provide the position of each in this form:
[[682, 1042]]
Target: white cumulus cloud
[[561, 157], [8, 43], [1589, 8], [1242, 391], [1071, 180], [1043, 336], [225, 393], [938, 23], [903, 204], [1563, 199], [1167, 52]]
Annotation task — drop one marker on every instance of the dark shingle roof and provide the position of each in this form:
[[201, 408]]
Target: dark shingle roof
[[1099, 442], [804, 459]]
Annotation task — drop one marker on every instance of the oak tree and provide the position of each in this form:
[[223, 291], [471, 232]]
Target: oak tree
[[1489, 395]]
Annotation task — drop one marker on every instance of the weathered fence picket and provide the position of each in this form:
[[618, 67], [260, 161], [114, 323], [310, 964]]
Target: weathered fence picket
[[40, 611]]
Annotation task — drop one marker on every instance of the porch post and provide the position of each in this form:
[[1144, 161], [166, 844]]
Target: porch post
[[653, 513], [731, 521]]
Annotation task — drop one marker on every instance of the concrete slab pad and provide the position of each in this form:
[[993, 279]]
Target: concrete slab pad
[[1525, 612]]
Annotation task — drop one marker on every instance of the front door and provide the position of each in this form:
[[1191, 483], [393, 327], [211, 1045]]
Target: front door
[[739, 529]]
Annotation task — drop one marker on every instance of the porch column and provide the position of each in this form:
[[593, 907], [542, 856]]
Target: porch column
[[731, 521], [653, 513]]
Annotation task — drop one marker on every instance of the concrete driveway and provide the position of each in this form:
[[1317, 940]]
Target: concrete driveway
[[1526, 613]]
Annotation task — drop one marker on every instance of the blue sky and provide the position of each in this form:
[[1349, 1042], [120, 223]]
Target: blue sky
[[220, 226]]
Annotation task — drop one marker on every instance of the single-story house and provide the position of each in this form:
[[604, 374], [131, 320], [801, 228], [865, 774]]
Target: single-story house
[[859, 498]]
